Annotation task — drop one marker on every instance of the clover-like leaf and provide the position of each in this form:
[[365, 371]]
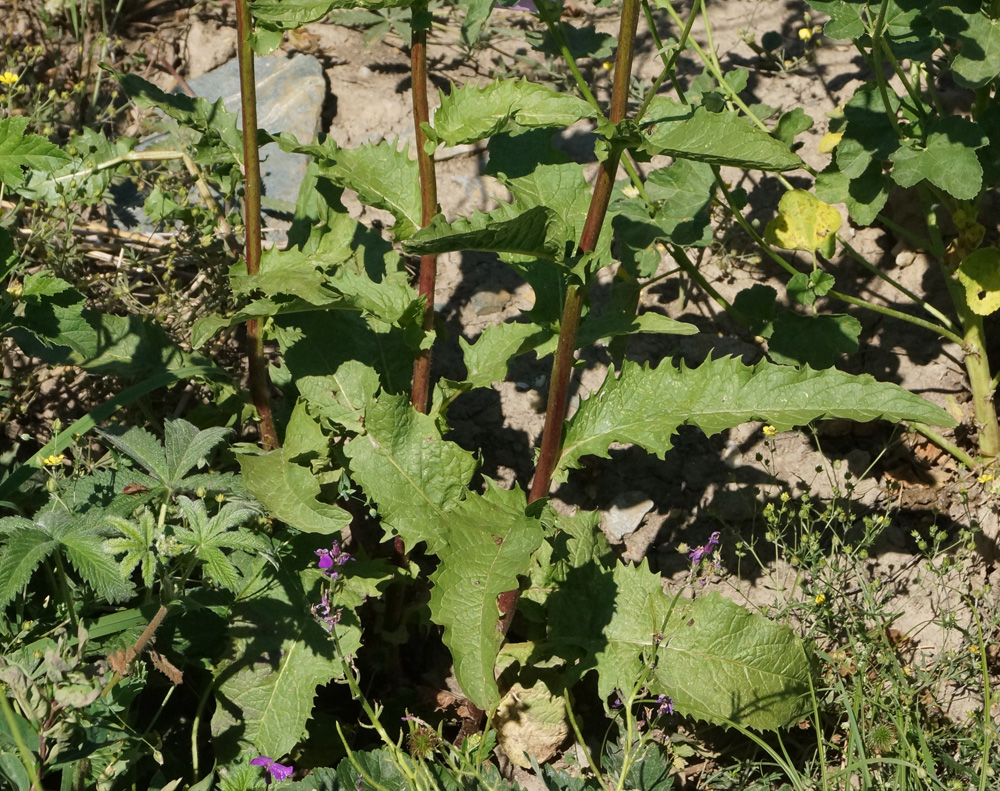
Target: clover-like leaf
[[804, 222]]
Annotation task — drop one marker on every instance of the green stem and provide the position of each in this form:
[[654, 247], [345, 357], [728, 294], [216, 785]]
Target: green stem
[[583, 743], [15, 731], [944, 444], [550, 13], [64, 589], [420, 392], [883, 87], [668, 63], [257, 365], [980, 381]]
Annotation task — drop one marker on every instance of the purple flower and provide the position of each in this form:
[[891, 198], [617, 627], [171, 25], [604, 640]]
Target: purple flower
[[277, 771], [329, 559], [698, 553], [665, 704]]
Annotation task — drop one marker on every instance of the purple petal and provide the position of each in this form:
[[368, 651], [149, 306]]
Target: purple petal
[[261, 761], [280, 772], [325, 562]]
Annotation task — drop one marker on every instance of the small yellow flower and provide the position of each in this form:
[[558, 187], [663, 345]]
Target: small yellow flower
[[805, 33], [785, 497], [973, 649], [820, 598], [8, 78], [606, 65], [220, 498], [770, 431], [986, 477], [54, 460]]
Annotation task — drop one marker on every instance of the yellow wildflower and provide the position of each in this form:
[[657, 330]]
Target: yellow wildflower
[[820, 598], [805, 33], [770, 431], [8, 78], [54, 460], [606, 65], [220, 498], [785, 497], [986, 477]]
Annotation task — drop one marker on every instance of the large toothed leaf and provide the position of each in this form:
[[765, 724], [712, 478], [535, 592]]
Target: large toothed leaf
[[488, 543], [471, 113], [383, 175], [412, 474], [947, 159], [724, 138], [718, 661], [23, 546], [645, 405], [19, 151], [537, 232]]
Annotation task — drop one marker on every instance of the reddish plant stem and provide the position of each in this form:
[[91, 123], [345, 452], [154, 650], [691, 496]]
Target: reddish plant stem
[[260, 385], [420, 392], [562, 365]]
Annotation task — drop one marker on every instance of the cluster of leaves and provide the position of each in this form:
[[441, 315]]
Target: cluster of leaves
[[350, 426]]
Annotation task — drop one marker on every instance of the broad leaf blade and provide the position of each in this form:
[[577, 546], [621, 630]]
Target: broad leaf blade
[[471, 113], [488, 544], [289, 492], [18, 150], [22, 549], [141, 446], [413, 475], [96, 565], [645, 406], [724, 138], [186, 445]]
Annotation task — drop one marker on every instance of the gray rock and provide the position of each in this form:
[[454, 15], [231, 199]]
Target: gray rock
[[625, 515], [290, 94]]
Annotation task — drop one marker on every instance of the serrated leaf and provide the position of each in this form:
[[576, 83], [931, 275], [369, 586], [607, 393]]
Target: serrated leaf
[[723, 393], [87, 175], [87, 554], [537, 232], [141, 446], [290, 493], [341, 397], [488, 542], [979, 272], [412, 474], [684, 192], [23, 548], [383, 175], [487, 359], [948, 159], [19, 150], [185, 445], [804, 222], [292, 14], [724, 138], [472, 113], [977, 60]]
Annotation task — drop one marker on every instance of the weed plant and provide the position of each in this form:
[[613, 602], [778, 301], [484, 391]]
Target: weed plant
[[183, 609]]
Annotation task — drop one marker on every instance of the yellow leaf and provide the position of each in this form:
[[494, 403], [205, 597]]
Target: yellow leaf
[[804, 222], [979, 272], [829, 142]]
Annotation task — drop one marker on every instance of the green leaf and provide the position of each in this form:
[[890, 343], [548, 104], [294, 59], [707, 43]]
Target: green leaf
[[488, 543], [816, 341], [724, 393], [19, 150], [804, 222], [412, 474], [537, 232], [724, 138], [868, 135], [186, 445], [721, 663], [95, 564], [141, 446], [864, 195], [791, 124], [341, 397], [82, 178], [266, 682], [487, 359], [383, 175], [472, 113], [22, 550], [291, 14], [977, 59], [948, 159], [289, 492], [979, 272], [683, 193]]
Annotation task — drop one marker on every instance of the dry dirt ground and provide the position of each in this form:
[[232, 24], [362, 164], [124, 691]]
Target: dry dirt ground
[[704, 484]]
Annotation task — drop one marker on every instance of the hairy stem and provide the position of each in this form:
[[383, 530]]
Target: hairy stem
[[420, 392], [257, 365]]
